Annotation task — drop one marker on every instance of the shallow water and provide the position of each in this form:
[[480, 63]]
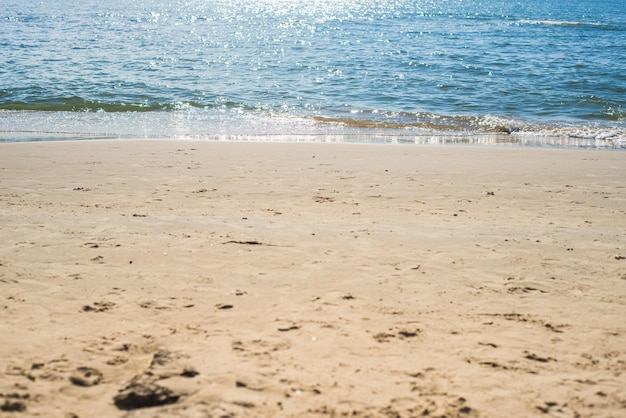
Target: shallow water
[[535, 71]]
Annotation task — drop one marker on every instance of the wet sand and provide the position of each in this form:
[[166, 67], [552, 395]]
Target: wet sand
[[200, 279]]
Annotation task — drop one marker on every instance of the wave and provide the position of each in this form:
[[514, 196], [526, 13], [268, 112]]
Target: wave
[[425, 121], [361, 123], [493, 126], [77, 104], [568, 23], [235, 123]]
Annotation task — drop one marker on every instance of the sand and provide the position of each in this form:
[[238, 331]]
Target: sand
[[207, 279]]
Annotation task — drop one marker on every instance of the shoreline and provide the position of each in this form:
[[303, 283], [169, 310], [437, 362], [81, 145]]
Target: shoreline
[[469, 139], [190, 278], [215, 125]]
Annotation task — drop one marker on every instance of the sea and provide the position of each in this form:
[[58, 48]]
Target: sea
[[532, 72]]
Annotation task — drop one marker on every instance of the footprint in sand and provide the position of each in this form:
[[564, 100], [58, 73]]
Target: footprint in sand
[[86, 376], [10, 405], [401, 333], [99, 307], [150, 388], [260, 347]]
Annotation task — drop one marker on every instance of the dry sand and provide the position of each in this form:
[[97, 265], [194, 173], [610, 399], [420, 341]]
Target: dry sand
[[199, 279]]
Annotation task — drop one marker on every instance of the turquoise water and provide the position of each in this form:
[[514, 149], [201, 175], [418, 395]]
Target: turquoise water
[[291, 70]]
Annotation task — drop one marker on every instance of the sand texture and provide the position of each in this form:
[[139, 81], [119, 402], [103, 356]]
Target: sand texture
[[199, 279]]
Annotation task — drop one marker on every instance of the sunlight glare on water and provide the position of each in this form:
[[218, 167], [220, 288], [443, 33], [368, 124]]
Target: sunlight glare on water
[[249, 65]]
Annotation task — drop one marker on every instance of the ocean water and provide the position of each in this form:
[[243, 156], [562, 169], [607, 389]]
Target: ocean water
[[415, 71]]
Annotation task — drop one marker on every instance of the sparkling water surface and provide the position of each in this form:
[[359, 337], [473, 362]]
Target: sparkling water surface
[[411, 71]]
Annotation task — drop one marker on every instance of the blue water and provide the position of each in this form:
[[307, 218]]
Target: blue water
[[369, 70]]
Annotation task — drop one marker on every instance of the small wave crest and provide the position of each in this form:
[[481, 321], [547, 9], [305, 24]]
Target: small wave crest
[[567, 23], [78, 104], [493, 126], [428, 122]]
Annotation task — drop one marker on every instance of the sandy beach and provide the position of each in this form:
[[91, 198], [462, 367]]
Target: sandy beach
[[209, 279]]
